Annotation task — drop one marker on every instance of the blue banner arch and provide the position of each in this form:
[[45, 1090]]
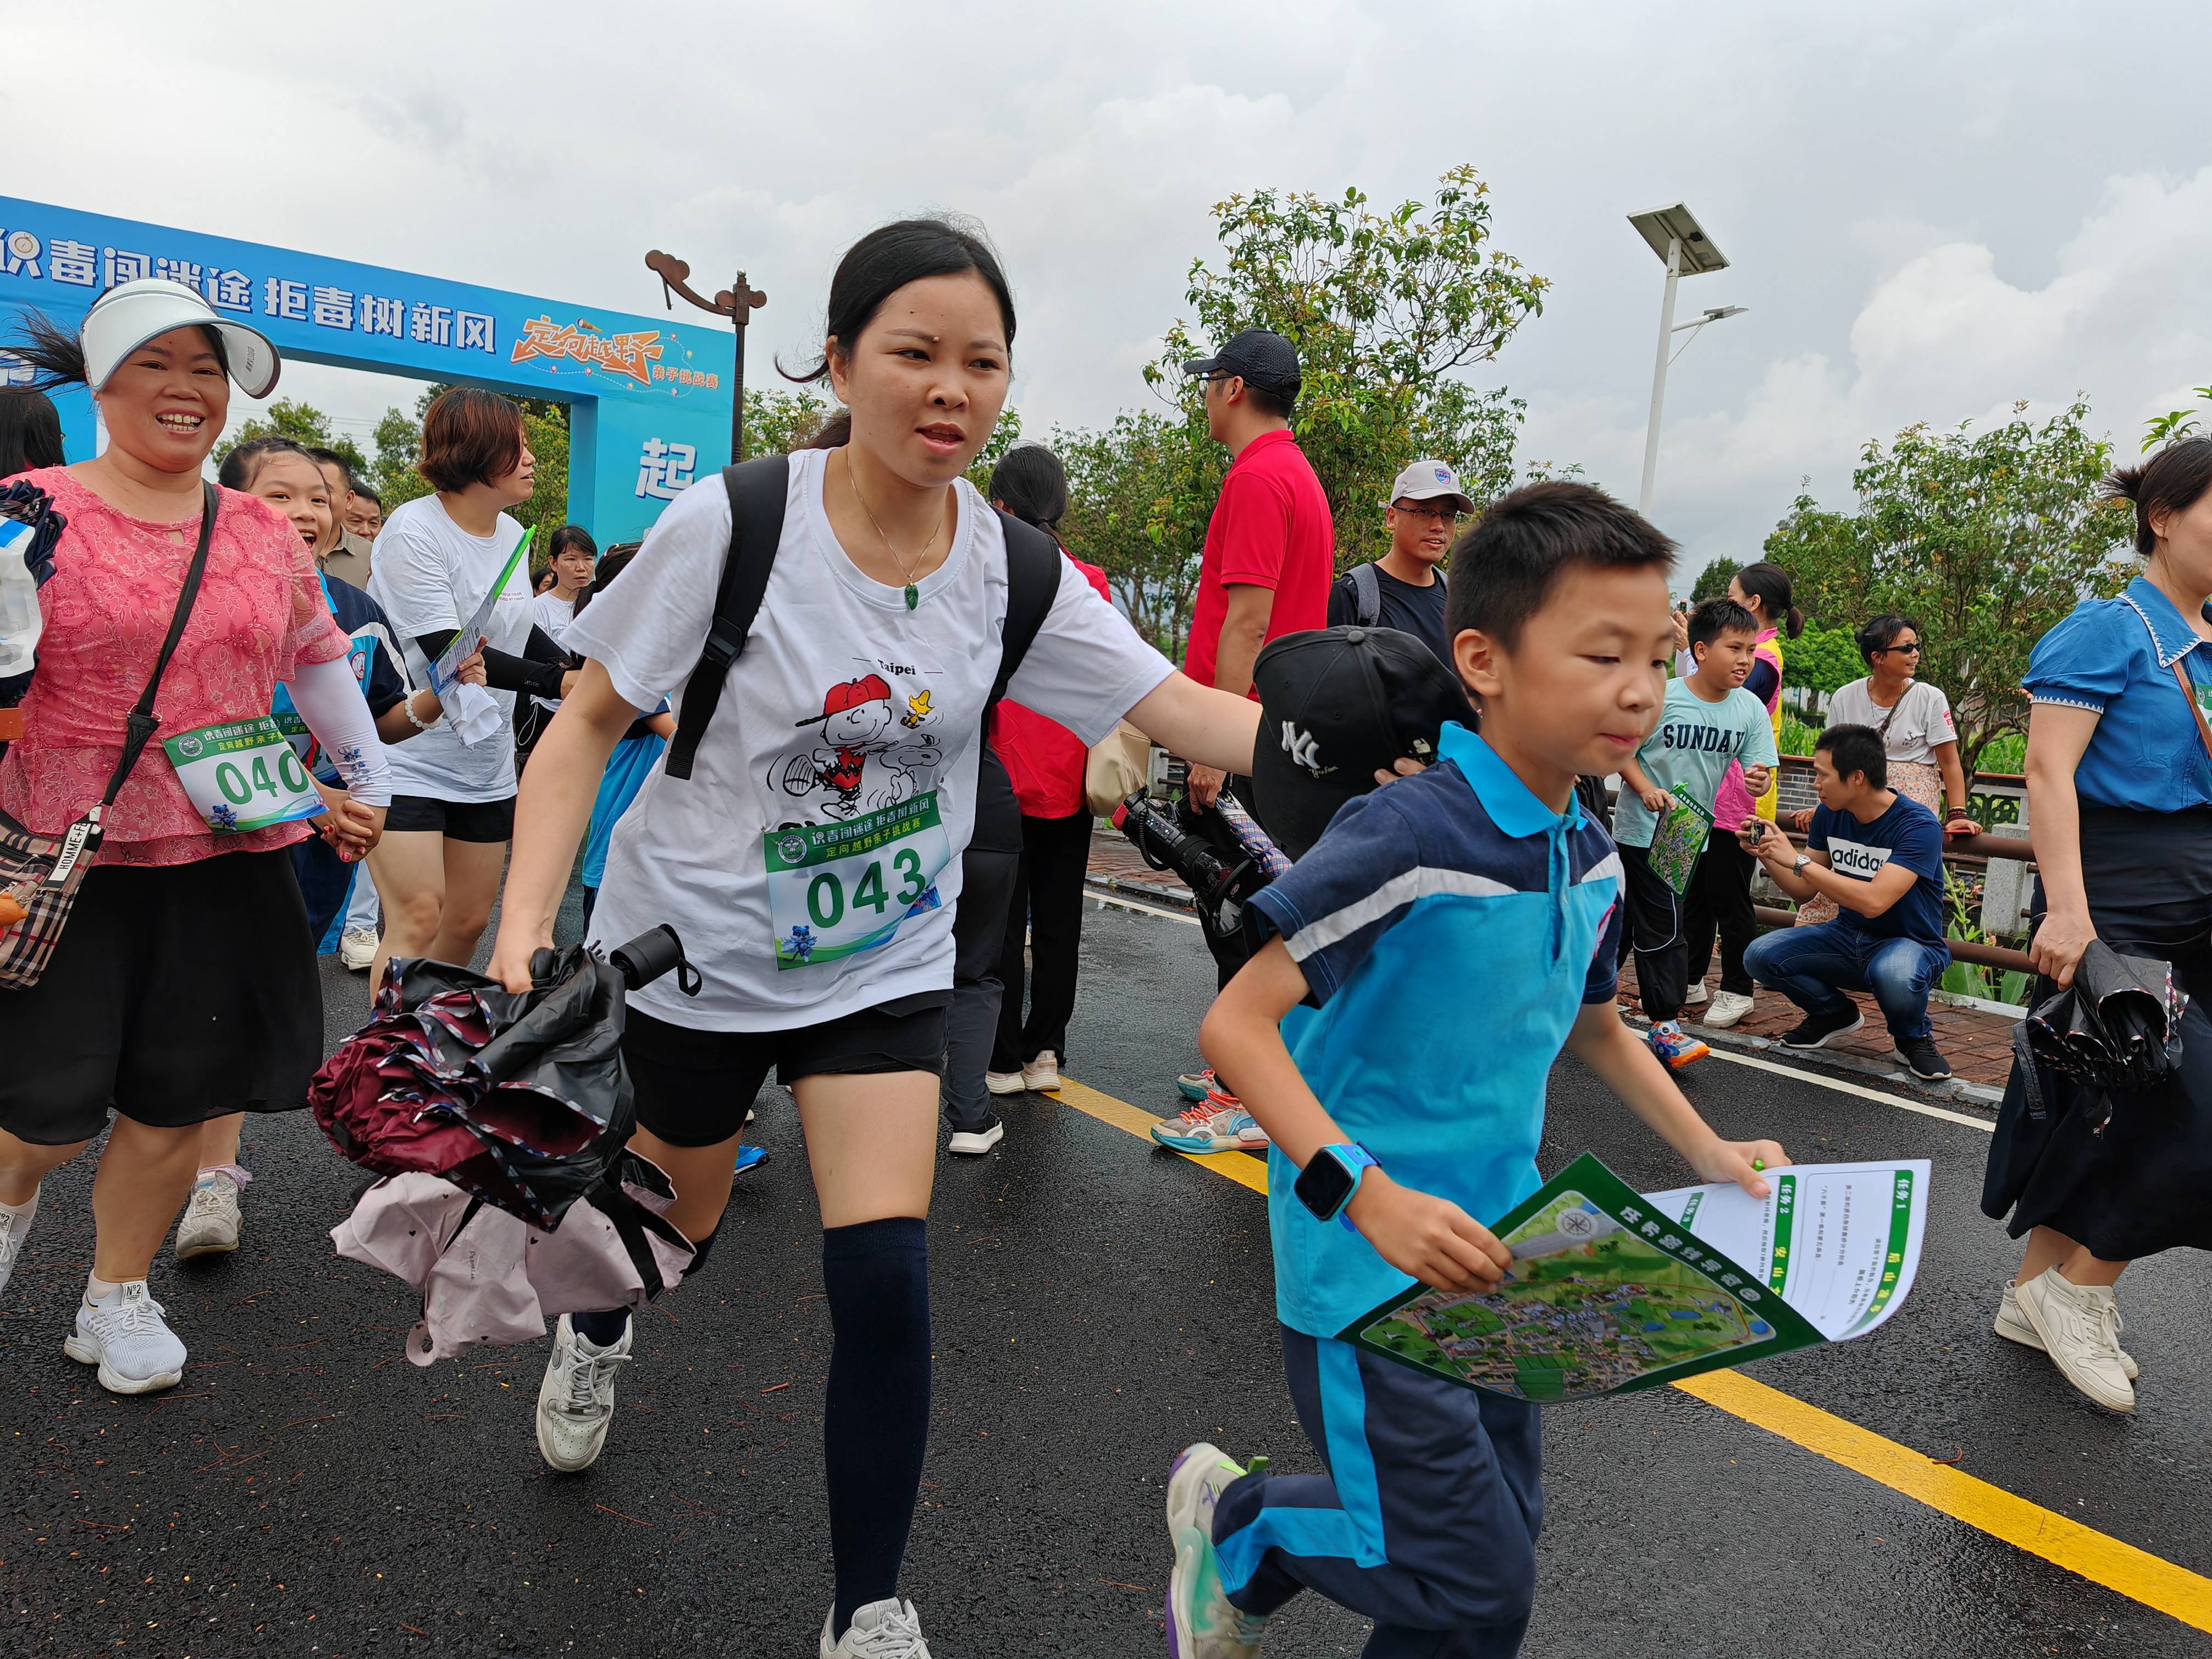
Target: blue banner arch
[[648, 400]]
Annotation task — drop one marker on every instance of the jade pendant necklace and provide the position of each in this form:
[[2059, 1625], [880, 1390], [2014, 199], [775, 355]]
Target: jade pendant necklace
[[906, 566]]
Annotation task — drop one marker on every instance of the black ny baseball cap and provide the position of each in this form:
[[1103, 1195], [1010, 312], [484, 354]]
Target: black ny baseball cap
[[1259, 356], [1338, 705]]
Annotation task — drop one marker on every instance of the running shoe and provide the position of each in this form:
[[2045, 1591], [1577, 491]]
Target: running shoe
[[1817, 1030], [1196, 1085], [1695, 996], [357, 948], [1219, 1123], [15, 1221], [750, 1158], [1728, 1007], [211, 1222], [974, 1143], [2080, 1325], [576, 1401], [1004, 1083], [1674, 1047], [1203, 1622], [1196, 1479], [126, 1335], [1041, 1075], [881, 1629], [1924, 1058], [2012, 1325]]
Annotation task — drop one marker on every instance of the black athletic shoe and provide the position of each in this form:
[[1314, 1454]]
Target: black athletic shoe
[[1815, 1031], [1921, 1055]]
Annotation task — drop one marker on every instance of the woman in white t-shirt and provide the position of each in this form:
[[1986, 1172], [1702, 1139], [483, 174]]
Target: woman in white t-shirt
[[572, 555], [1913, 720], [438, 558], [811, 861]]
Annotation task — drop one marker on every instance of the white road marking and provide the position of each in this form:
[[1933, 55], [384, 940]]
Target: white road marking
[[1898, 1101]]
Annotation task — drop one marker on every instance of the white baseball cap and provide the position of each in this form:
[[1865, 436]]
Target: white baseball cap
[[130, 314], [1425, 481]]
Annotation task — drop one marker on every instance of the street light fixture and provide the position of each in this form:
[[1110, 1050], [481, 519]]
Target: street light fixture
[[1682, 245]]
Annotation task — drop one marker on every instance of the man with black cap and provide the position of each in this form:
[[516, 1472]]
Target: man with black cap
[[1270, 556], [1401, 589]]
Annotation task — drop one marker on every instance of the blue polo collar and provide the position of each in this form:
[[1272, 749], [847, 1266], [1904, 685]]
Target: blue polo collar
[[2171, 636], [1512, 805]]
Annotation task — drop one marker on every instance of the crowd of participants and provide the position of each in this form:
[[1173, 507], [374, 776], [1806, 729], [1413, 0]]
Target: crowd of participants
[[1457, 818]]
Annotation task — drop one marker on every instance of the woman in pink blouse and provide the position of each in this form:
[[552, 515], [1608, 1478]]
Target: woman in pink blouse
[[184, 985]]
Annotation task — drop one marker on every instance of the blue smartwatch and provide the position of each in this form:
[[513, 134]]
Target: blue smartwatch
[[1326, 1185]]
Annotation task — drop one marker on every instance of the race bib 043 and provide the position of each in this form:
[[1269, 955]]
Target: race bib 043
[[834, 890], [242, 775]]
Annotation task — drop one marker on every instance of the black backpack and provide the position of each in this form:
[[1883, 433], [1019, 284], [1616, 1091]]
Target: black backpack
[[757, 490]]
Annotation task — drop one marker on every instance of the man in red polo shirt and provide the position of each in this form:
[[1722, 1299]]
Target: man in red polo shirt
[[1270, 558]]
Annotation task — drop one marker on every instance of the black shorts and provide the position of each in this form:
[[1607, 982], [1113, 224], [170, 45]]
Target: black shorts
[[456, 820], [176, 994], [694, 1088]]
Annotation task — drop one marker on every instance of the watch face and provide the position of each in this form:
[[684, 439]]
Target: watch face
[[1323, 1186]]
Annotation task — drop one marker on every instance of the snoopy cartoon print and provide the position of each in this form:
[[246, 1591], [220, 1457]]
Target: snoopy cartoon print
[[869, 755]]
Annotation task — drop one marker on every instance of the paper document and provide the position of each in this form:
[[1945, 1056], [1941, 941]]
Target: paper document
[[1611, 1291], [448, 667]]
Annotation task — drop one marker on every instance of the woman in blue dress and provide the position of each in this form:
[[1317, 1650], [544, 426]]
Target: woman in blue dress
[[2119, 789]]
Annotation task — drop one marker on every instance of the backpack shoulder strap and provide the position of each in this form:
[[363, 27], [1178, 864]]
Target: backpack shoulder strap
[[1367, 591], [1033, 563], [757, 489]]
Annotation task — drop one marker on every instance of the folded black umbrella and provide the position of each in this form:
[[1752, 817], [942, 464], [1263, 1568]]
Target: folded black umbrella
[[2117, 1027], [26, 503], [518, 1099]]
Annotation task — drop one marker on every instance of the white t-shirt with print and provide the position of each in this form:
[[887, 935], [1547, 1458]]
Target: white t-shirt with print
[[1920, 720], [429, 576], [811, 861]]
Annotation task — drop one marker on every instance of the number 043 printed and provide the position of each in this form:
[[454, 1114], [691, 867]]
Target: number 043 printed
[[834, 890]]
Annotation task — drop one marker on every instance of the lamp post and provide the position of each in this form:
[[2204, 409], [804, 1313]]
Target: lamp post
[[1682, 245], [737, 303]]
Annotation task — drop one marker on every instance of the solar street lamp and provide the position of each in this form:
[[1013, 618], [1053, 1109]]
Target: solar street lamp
[[1682, 245]]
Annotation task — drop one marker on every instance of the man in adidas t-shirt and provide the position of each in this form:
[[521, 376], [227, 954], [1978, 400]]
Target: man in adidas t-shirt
[[1880, 855]]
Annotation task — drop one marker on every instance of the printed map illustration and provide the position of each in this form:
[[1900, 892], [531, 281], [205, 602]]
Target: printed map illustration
[[1588, 1306]]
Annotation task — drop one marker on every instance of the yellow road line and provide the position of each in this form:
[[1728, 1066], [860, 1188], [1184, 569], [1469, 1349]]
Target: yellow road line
[[2136, 1574]]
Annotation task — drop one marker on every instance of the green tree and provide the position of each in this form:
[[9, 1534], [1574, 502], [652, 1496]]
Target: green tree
[[1823, 659], [1988, 539], [303, 424], [777, 420], [1122, 484], [1388, 310], [2174, 423], [1713, 580]]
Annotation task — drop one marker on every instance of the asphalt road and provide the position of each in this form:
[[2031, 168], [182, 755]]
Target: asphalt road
[[1097, 1304]]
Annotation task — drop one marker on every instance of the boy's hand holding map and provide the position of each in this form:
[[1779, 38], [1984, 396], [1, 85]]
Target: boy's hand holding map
[[1426, 1237], [1609, 1292], [1655, 797]]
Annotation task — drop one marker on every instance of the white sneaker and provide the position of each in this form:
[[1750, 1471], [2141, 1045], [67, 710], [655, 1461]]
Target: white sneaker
[[14, 1224], [576, 1401], [1041, 1075], [974, 1143], [1196, 1481], [2080, 1325], [127, 1337], [1004, 1083], [211, 1221], [2012, 1325], [1695, 997], [881, 1629], [1728, 1007], [357, 948]]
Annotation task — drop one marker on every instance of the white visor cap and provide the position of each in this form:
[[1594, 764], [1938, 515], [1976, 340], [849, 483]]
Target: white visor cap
[[130, 314]]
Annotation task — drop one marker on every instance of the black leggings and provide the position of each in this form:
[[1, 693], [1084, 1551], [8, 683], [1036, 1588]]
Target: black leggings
[[1048, 913], [1719, 899]]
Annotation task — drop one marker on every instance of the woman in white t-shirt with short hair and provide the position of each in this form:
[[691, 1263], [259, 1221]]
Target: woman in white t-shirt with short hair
[[1913, 720], [453, 809], [812, 861]]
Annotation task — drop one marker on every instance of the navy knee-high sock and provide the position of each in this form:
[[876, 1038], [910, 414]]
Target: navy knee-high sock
[[876, 1424]]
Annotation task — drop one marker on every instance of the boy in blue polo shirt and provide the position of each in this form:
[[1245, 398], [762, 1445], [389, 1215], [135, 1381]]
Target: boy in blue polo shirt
[[1402, 1124]]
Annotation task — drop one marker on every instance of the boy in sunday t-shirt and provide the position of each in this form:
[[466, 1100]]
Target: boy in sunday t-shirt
[[1481, 876], [1710, 722]]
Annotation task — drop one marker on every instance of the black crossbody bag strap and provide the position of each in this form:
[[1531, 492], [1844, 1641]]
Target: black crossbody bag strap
[[757, 490], [1033, 583], [142, 722]]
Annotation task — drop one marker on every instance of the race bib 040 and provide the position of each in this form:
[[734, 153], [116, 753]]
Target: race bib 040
[[242, 775], [834, 890]]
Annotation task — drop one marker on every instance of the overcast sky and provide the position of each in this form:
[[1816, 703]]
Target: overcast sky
[[1932, 211]]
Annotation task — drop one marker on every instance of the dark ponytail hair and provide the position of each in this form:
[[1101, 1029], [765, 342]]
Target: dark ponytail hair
[[616, 561], [1878, 632], [2170, 481], [568, 535], [244, 462], [30, 432], [885, 260], [833, 433], [1770, 585], [1032, 484], [56, 356]]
